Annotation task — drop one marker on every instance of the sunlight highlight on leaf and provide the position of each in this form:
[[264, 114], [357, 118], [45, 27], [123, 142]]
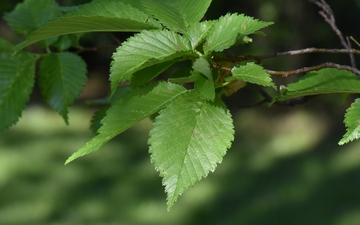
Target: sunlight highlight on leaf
[[188, 139], [133, 107], [352, 122]]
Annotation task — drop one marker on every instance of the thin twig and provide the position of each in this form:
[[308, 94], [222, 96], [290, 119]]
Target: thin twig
[[313, 68], [287, 53], [329, 17]]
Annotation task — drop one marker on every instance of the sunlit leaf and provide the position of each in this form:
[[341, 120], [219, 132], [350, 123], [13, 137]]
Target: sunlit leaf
[[135, 106], [225, 31], [146, 49], [198, 31], [352, 122], [324, 81], [177, 14], [188, 139], [96, 16], [251, 73]]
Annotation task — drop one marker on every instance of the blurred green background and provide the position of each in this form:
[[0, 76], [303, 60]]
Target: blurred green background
[[285, 166]]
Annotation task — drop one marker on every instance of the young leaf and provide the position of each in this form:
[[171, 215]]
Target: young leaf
[[224, 32], [135, 106], [61, 79], [204, 86], [188, 139], [17, 75], [203, 66], [251, 73], [95, 16], [324, 81], [146, 49], [352, 122], [177, 14]]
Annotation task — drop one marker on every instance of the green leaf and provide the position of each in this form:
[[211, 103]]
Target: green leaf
[[32, 14], [95, 17], [146, 49], [204, 86], [352, 122], [17, 75], [203, 66], [95, 123], [324, 81], [187, 140], [251, 73], [135, 106], [133, 3], [61, 79], [142, 76], [197, 32], [177, 14], [224, 32]]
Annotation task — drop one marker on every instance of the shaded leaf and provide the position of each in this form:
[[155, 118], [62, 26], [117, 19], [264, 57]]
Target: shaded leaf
[[135, 106], [146, 49], [204, 86], [187, 140], [177, 14], [16, 83], [352, 122], [142, 76], [324, 81], [105, 16], [95, 122], [32, 14], [251, 73], [225, 31], [61, 79], [203, 66]]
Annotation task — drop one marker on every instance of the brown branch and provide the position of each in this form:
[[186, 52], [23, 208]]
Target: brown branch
[[329, 17], [313, 68], [287, 53], [352, 59]]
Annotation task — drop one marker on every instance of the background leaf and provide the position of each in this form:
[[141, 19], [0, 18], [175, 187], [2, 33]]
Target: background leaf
[[177, 14], [32, 14], [352, 122], [146, 49], [225, 31], [251, 73], [135, 106], [188, 139], [94, 17], [16, 83], [61, 79], [324, 81]]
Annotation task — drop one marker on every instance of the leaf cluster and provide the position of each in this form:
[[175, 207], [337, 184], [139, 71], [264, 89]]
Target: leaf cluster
[[192, 127]]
